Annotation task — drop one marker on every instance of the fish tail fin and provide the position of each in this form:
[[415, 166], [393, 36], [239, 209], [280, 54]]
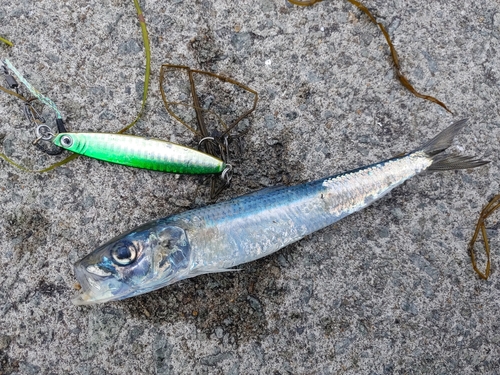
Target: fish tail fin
[[440, 143]]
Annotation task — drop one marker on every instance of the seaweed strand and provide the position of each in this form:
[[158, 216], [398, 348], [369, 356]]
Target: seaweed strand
[[401, 77], [304, 3], [491, 207], [147, 51], [9, 43], [218, 146], [404, 81]]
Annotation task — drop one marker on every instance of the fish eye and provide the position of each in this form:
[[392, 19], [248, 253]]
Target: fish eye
[[124, 253], [66, 141]]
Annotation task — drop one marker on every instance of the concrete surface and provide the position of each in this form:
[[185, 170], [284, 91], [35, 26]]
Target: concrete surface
[[389, 290]]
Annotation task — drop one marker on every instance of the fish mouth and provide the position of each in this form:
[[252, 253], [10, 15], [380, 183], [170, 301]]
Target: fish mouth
[[94, 288]]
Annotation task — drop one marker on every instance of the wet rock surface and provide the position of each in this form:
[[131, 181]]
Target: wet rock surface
[[389, 290]]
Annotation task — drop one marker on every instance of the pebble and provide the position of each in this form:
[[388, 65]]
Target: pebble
[[213, 360], [254, 303], [409, 307], [4, 342], [219, 332], [131, 46], [398, 213], [241, 41]]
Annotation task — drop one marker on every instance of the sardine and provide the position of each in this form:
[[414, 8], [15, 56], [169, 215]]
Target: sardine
[[220, 236], [140, 152]]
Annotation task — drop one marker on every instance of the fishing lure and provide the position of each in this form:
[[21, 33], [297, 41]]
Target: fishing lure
[[122, 149], [33, 115], [141, 152], [220, 236]]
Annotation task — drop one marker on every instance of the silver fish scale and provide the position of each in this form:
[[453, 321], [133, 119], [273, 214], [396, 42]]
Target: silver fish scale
[[253, 226]]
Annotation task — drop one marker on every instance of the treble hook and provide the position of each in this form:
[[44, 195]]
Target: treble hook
[[227, 174], [223, 146]]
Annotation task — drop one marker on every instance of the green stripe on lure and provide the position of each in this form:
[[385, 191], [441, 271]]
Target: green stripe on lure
[[140, 152]]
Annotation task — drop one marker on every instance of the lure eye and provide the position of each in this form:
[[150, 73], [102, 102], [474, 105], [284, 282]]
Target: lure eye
[[66, 141], [124, 253]]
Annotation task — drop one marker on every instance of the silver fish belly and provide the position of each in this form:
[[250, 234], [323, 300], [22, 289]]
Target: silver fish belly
[[218, 237]]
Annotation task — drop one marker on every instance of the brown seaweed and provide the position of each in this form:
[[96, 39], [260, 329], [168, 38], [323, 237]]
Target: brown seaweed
[[212, 127], [486, 212], [304, 3], [394, 55]]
